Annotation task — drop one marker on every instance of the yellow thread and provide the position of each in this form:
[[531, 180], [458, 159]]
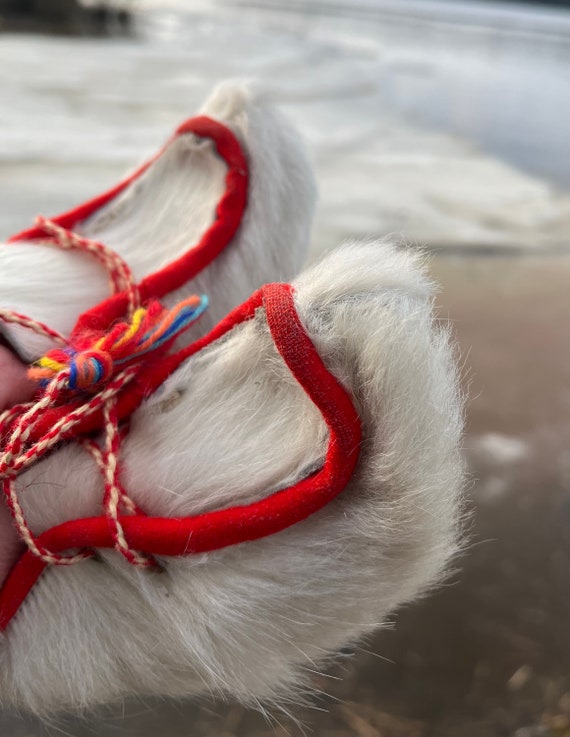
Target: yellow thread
[[135, 324], [49, 363]]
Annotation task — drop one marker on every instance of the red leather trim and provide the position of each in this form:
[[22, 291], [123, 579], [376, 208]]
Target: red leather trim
[[229, 213], [239, 524]]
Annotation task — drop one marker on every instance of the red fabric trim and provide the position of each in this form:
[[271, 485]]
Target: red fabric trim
[[239, 524], [228, 216]]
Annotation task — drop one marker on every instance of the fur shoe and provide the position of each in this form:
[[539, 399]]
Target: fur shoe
[[310, 445]]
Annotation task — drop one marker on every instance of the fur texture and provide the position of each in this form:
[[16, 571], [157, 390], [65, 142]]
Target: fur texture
[[248, 620]]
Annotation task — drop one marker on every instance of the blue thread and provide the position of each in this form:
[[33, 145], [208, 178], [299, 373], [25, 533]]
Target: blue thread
[[72, 381], [98, 369], [183, 320]]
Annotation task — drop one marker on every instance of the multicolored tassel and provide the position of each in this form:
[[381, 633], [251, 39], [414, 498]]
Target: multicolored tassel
[[93, 360]]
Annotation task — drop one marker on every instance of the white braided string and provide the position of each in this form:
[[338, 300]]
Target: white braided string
[[17, 423]]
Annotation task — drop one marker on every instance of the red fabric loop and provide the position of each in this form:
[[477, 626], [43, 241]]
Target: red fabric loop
[[229, 212]]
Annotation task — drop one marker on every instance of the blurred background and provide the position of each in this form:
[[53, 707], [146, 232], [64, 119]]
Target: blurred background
[[442, 123]]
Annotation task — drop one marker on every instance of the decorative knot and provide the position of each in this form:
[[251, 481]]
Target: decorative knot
[[91, 360], [89, 369]]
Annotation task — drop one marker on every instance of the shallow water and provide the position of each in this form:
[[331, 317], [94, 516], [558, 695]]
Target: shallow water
[[400, 112]]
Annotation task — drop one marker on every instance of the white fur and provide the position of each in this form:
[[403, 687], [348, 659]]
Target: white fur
[[165, 211], [230, 426]]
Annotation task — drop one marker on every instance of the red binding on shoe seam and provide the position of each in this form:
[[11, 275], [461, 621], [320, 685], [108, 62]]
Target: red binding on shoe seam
[[229, 212], [215, 530]]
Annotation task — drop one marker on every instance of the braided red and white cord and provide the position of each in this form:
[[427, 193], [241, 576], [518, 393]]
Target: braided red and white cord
[[19, 452]]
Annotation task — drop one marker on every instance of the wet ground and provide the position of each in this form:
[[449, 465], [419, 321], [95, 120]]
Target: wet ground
[[488, 655]]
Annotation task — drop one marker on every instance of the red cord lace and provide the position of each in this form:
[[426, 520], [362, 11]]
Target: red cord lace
[[16, 423]]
